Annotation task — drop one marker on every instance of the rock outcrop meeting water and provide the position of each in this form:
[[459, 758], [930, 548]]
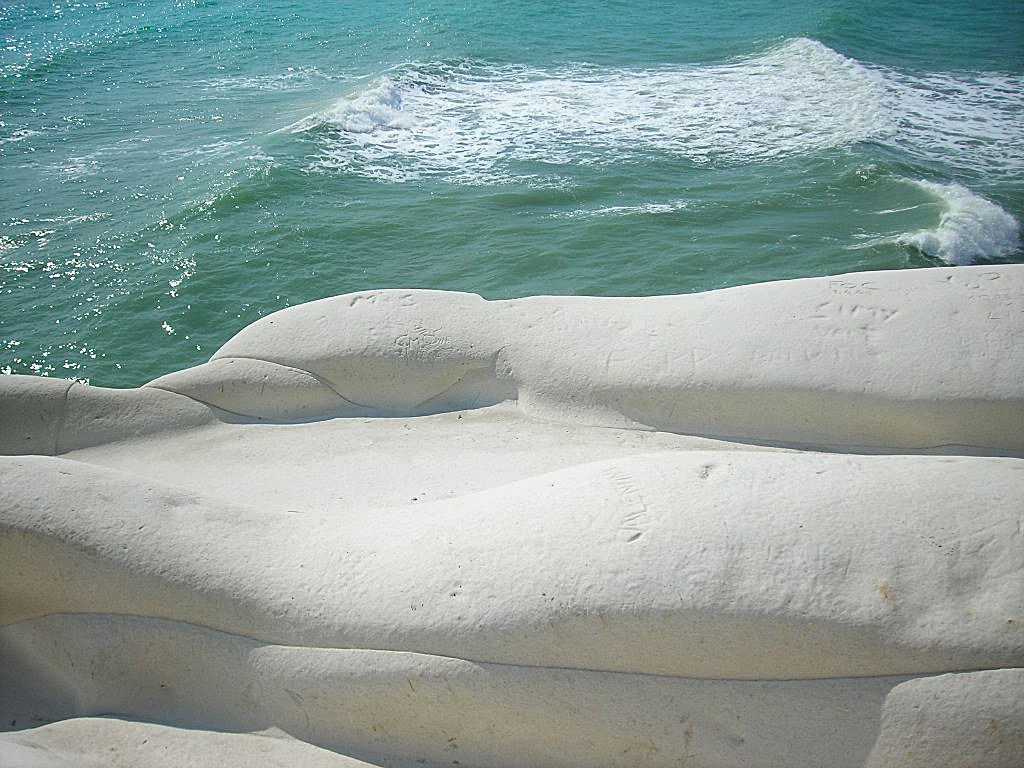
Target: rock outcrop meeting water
[[770, 525], [515, 384]]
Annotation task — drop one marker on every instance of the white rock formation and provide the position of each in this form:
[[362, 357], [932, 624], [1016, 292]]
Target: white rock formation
[[776, 525]]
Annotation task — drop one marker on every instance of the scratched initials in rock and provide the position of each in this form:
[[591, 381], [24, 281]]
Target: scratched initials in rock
[[634, 522], [846, 288], [369, 298], [832, 310], [421, 341]]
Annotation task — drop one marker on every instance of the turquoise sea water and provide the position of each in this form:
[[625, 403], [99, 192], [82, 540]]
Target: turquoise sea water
[[170, 172]]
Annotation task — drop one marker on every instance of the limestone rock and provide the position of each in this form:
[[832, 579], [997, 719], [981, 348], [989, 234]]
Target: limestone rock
[[778, 525]]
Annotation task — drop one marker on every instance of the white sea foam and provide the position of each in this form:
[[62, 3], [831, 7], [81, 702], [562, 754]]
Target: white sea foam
[[376, 107], [481, 124], [969, 122], [15, 136], [970, 228], [292, 78], [622, 210]]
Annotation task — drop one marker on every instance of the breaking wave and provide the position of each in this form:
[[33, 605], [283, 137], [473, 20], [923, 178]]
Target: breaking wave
[[970, 228], [475, 123]]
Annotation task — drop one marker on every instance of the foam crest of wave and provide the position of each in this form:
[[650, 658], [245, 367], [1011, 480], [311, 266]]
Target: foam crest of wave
[[970, 229], [292, 78], [377, 106], [969, 121], [623, 210], [476, 123]]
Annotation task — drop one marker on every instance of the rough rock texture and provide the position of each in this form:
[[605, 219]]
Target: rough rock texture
[[974, 719], [91, 742], [776, 525]]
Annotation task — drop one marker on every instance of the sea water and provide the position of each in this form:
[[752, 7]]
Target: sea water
[[172, 171]]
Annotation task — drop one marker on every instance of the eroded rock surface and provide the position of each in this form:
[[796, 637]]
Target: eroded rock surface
[[770, 525]]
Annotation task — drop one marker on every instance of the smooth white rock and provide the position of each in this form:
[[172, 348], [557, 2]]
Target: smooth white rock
[[700, 564], [544, 531], [438, 709], [901, 359]]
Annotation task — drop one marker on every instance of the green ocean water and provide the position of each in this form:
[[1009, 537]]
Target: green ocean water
[[170, 172]]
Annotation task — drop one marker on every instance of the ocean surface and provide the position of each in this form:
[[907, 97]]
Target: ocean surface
[[172, 171]]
